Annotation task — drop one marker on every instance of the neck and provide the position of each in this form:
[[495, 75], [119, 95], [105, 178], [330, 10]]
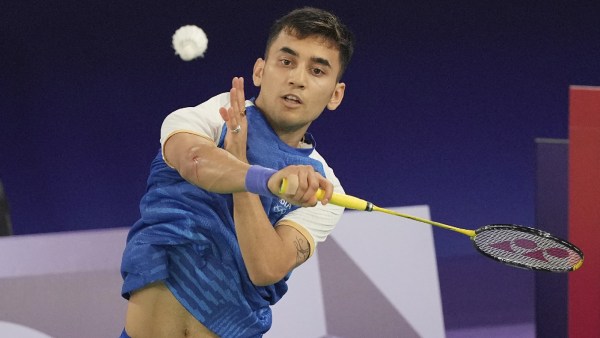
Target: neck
[[291, 139]]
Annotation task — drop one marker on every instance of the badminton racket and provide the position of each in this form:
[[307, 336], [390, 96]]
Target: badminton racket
[[514, 245]]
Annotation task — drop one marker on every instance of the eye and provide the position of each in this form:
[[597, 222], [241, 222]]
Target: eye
[[318, 71], [285, 62]]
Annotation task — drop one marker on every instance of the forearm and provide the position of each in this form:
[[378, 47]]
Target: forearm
[[202, 163], [215, 169], [266, 256]]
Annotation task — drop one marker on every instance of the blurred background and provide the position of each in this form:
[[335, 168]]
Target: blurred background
[[443, 104]]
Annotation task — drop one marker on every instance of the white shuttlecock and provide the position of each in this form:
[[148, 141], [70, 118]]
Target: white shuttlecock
[[190, 42]]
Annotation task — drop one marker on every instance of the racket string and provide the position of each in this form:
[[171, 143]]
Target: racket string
[[524, 248]]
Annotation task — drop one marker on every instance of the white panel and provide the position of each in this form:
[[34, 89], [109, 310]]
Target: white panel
[[398, 255], [301, 312], [63, 284], [67, 251], [16, 330]]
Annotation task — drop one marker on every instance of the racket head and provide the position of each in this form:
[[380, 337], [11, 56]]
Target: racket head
[[527, 248]]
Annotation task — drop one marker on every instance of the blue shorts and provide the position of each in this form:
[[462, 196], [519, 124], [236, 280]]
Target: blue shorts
[[124, 334]]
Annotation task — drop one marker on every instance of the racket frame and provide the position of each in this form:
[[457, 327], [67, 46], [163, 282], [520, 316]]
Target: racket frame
[[532, 231]]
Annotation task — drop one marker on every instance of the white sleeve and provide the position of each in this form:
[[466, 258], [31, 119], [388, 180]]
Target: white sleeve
[[203, 120], [319, 220]]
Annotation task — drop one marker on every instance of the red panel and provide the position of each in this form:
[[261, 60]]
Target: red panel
[[584, 210]]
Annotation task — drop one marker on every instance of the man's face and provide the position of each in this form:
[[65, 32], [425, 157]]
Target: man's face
[[297, 81]]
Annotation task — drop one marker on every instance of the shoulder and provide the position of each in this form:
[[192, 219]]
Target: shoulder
[[206, 108], [203, 119]]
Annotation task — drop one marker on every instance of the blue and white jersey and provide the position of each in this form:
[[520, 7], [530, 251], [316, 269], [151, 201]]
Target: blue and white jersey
[[186, 235]]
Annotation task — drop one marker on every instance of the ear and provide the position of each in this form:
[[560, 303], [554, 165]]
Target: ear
[[257, 73], [337, 96]]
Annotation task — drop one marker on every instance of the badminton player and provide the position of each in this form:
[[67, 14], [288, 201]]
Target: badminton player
[[216, 241]]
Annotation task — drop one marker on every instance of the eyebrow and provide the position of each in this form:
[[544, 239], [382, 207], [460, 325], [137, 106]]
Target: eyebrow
[[316, 59]]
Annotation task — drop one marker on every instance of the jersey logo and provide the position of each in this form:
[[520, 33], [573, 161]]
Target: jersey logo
[[282, 207]]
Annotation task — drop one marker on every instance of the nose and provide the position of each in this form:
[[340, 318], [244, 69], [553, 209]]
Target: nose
[[297, 77]]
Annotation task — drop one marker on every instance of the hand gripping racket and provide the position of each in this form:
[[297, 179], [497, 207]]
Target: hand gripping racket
[[510, 244]]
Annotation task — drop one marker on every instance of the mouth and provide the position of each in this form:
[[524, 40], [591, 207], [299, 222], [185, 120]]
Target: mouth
[[293, 99]]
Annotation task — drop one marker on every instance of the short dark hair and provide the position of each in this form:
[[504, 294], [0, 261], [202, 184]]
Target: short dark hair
[[309, 21]]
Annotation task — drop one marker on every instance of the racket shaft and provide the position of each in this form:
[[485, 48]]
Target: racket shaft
[[470, 233], [290, 185]]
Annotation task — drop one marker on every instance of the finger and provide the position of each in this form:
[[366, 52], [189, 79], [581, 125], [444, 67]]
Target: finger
[[237, 100], [309, 184], [233, 98], [239, 86], [233, 109], [326, 186], [313, 180], [302, 185], [224, 113], [292, 185]]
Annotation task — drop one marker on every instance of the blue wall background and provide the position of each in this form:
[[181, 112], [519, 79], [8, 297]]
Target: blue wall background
[[443, 104]]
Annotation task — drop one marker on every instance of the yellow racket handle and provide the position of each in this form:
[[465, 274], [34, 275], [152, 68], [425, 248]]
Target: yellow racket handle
[[290, 185]]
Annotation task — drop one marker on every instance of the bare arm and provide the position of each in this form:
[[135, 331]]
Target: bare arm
[[269, 253], [200, 162]]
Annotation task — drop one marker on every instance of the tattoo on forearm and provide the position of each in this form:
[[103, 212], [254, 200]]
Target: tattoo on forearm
[[302, 250]]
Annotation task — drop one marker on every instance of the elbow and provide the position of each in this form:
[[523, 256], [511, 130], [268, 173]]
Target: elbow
[[188, 167], [191, 166]]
